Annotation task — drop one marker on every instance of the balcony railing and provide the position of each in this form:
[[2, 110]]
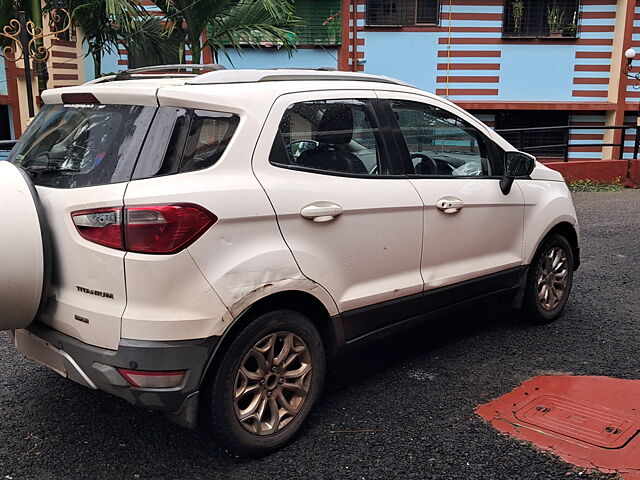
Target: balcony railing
[[525, 139]]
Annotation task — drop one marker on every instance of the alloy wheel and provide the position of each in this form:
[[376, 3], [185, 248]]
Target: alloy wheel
[[552, 278], [272, 383]]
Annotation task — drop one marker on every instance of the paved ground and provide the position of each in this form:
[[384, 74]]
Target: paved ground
[[416, 392]]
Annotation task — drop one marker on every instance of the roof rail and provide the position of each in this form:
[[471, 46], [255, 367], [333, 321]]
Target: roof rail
[[297, 74], [129, 74]]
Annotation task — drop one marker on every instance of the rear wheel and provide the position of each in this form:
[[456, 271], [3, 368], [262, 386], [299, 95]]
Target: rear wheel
[[266, 383], [549, 280]]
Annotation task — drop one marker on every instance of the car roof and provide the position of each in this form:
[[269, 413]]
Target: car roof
[[143, 89]]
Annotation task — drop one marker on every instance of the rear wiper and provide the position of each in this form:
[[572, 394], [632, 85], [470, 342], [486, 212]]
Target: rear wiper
[[48, 169]]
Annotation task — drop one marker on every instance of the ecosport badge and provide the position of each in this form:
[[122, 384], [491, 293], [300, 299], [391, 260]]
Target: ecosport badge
[[97, 293]]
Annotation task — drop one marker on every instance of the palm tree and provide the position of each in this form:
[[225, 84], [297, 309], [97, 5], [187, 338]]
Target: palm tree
[[107, 23], [231, 24]]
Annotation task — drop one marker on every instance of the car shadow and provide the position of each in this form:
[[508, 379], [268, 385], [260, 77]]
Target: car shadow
[[403, 347]]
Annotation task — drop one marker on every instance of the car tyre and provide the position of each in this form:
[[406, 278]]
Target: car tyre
[[549, 280], [266, 383]]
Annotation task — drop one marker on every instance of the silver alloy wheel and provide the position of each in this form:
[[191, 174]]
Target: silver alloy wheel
[[272, 383], [552, 277]]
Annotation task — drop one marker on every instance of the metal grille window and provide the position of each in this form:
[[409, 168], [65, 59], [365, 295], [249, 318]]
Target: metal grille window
[[321, 22], [532, 131], [541, 18], [402, 12]]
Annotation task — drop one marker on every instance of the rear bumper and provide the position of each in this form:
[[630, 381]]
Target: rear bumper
[[95, 367]]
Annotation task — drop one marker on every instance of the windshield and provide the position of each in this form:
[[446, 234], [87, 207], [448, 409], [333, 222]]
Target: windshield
[[70, 146]]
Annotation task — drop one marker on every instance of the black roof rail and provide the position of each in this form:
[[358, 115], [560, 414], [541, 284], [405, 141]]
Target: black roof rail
[[127, 74], [138, 73]]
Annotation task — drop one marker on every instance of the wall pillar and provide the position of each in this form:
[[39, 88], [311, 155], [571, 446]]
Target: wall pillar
[[618, 80]]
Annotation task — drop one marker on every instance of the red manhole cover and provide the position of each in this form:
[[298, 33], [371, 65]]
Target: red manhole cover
[[589, 423], [592, 422]]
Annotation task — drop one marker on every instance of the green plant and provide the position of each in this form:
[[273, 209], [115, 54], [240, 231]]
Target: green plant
[[230, 24], [555, 18], [107, 23], [588, 185], [570, 29], [517, 12]]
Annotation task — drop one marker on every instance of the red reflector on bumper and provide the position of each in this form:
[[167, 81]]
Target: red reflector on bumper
[[152, 379]]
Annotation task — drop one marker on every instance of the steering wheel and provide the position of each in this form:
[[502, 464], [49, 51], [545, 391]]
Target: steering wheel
[[426, 158]]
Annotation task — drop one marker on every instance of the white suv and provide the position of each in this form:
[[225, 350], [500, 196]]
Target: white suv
[[202, 244]]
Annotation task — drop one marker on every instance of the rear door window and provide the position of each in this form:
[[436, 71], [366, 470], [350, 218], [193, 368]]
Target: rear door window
[[330, 136], [71, 146]]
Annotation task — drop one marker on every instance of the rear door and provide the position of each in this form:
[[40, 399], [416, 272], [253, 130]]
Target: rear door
[[352, 221], [80, 158], [471, 229]]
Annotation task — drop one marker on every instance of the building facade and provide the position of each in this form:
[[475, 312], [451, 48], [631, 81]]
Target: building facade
[[515, 64]]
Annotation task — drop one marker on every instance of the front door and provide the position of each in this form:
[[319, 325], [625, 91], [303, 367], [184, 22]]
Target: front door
[[471, 229], [352, 221]]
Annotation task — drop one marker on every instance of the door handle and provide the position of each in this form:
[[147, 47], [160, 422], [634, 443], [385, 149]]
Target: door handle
[[449, 204], [321, 211]]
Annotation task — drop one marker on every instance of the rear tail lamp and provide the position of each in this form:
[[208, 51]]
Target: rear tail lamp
[[152, 379], [161, 229]]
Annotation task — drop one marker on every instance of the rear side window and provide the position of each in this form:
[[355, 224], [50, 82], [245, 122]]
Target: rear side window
[[208, 138], [185, 140], [70, 146], [330, 136]]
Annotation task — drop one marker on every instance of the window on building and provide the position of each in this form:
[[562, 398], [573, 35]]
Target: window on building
[[322, 22], [402, 12], [541, 18], [525, 129]]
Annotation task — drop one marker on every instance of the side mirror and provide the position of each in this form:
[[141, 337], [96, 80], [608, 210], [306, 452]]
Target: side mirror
[[516, 164]]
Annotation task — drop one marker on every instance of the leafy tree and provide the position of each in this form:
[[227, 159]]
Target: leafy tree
[[231, 24], [105, 23]]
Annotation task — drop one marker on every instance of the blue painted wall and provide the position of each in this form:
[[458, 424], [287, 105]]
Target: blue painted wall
[[536, 72], [528, 71], [409, 56], [250, 58], [271, 57]]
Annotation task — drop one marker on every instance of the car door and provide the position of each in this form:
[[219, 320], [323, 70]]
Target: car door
[[472, 231], [351, 219]]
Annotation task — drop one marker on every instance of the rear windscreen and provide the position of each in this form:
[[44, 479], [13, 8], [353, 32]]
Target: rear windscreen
[[71, 146]]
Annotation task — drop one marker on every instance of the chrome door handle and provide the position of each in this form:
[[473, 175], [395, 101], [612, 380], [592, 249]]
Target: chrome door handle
[[449, 204], [321, 211]]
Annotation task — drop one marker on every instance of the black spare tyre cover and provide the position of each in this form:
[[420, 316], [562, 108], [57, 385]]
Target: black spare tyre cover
[[23, 249]]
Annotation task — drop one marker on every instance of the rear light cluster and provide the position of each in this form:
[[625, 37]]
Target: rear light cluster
[[160, 229]]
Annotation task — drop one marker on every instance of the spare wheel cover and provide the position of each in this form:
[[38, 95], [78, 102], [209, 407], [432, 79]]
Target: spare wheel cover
[[24, 249]]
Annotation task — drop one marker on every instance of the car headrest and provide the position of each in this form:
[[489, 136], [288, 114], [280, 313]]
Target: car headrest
[[336, 125]]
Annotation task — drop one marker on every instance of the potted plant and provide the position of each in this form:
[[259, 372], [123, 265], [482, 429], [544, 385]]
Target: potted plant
[[555, 21], [517, 13], [571, 29]]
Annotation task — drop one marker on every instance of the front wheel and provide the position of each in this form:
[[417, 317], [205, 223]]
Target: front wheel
[[266, 384], [549, 280]]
